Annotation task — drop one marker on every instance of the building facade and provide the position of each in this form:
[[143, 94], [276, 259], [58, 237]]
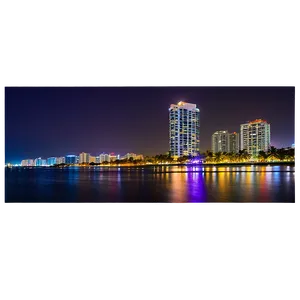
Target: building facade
[[27, 163], [220, 141], [60, 160], [234, 142], [39, 162], [51, 161], [70, 159], [184, 129], [255, 136], [112, 157], [103, 157], [92, 159], [84, 158]]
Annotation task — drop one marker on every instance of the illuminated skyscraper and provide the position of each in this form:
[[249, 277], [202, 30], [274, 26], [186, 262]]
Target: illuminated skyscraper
[[220, 141], [255, 136], [184, 129], [84, 158]]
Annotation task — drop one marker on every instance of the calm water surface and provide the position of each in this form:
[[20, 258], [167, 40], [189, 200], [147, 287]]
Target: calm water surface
[[151, 184]]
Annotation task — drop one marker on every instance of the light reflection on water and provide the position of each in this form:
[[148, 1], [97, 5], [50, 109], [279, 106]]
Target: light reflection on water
[[176, 184]]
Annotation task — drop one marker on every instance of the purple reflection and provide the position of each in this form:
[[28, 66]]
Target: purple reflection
[[196, 191]]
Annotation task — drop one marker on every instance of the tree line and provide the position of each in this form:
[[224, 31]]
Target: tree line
[[272, 155]]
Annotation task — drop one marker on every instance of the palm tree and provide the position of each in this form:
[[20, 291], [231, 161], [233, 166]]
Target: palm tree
[[262, 156], [272, 150], [218, 156]]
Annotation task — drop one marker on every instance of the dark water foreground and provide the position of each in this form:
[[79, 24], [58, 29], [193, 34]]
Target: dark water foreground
[[151, 184]]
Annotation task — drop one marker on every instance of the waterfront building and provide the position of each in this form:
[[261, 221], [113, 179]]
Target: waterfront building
[[38, 162], [112, 157], [220, 141], [104, 157], [27, 163], [293, 146], [60, 160], [70, 159], [84, 158], [184, 129], [51, 161], [234, 142], [97, 159], [92, 159], [255, 136]]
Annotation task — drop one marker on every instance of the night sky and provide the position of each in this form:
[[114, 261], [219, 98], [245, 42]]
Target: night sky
[[58, 121]]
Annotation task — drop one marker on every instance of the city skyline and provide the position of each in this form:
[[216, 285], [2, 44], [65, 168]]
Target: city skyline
[[52, 121]]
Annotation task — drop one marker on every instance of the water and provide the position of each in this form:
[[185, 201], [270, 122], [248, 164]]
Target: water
[[151, 184]]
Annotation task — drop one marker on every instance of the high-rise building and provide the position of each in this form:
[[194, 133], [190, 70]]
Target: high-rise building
[[84, 158], [184, 129], [112, 157], [255, 136], [51, 161], [38, 162], [234, 142], [60, 160], [104, 157], [70, 159], [220, 141], [27, 163]]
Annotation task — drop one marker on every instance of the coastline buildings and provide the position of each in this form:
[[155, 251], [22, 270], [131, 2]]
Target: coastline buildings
[[84, 158], [112, 157], [51, 161], [184, 129], [92, 159], [70, 159], [27, 163], [60, 160], [39, 162], [220, 141], [255, 136], [103, 157], [234, 142]]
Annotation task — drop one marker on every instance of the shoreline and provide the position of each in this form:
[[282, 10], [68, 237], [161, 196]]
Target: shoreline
[[165, 165]]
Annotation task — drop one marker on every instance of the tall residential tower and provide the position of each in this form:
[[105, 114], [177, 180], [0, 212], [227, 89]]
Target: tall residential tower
[[255, 136], [184, 129], [234, 142], [220, 141]]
